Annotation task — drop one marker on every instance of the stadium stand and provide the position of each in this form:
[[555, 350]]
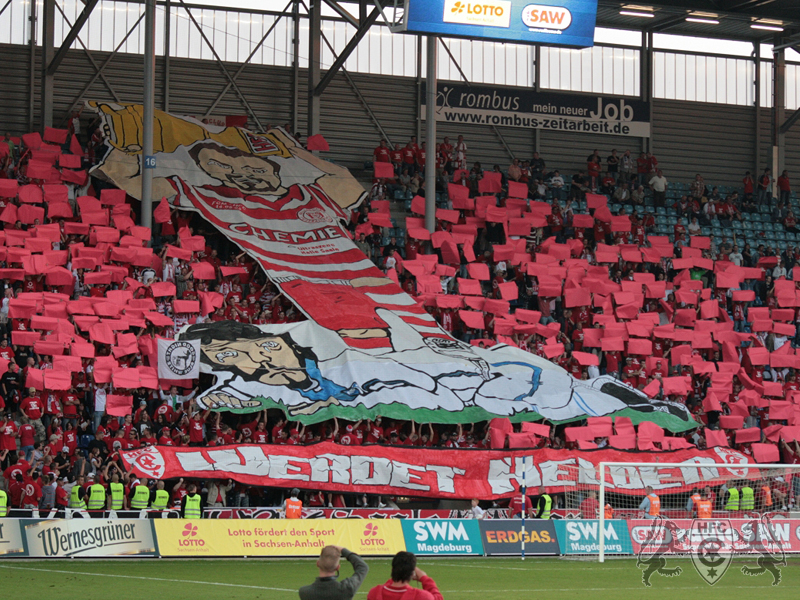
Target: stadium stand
[[684, 290]]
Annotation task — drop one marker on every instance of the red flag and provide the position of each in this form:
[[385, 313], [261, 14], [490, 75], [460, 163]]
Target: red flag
[[162, 212]]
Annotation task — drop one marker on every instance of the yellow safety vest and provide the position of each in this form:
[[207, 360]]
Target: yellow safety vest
[[74, 500], [733, 499], [548, 504], [162, 500], [3, 504], [748, 499], [97, 497], [117, 495], [192, 510], [141, 497]]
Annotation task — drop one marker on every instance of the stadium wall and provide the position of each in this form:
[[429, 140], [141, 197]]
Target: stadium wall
[[717, 140]]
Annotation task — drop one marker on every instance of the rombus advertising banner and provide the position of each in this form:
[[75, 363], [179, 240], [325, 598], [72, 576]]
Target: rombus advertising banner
[[527, 109]]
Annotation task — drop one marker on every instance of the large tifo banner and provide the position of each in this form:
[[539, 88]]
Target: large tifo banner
[[527, 109], [455, 474], [368, 348], [280, 537]]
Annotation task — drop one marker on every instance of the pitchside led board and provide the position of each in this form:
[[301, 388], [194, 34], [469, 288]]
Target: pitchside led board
[[549, 22]]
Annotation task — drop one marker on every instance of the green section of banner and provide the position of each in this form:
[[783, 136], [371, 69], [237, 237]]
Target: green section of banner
[[470, 414]]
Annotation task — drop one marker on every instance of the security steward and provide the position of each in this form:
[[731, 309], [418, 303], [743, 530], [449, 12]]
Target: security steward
[[544, 505], [293, 506], [192, 504]]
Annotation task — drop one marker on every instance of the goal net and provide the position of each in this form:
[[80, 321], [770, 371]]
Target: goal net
[[634, 507]]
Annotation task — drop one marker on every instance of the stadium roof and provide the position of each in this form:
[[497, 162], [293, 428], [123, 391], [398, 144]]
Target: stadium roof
[[748, 20]]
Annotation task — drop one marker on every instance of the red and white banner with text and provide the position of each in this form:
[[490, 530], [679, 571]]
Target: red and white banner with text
[[440, 473]]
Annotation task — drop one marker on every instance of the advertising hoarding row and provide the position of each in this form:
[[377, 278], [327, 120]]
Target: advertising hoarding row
[[76, 538]]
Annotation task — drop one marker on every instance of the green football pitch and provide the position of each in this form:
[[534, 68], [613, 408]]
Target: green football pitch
[[463, 578]]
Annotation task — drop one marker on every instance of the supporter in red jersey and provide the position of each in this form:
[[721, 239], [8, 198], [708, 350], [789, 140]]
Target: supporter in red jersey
[[404, 571], [589, 506], [382, 153]]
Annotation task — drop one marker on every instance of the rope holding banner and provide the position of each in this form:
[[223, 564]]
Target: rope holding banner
[[524, 490]]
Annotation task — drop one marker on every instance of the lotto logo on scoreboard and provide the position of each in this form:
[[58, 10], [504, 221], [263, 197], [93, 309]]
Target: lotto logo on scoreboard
[[485, 14]]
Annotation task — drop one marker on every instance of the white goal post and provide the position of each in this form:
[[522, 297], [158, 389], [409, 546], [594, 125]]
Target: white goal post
[[689, 490]]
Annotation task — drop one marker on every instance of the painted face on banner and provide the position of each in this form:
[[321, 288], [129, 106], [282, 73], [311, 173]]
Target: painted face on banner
[[248, 173], [269, 360]]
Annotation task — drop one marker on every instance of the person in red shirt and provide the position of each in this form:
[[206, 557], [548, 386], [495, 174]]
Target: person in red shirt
[[404, 571], [27, 438], [6, 352], [784, 188], [421, 155], [642, 168], [381, 153], [590, 506], [32, 410], [396, 157], [8, 434], [410, 159], [196, 425]]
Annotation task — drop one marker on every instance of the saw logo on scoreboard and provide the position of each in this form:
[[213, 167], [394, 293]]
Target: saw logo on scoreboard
[[544, 18]]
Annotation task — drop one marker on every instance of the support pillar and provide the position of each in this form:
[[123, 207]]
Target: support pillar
[[296, 68], [757, 103], [537, 87], [48, 52], [314, 57], [430, 136], [148, 160], [32, 66], [167, 42], [778, 113], [646, 82], [418, 131]]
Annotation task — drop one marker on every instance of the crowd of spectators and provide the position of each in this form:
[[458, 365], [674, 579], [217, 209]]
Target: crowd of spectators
[[521, 256]]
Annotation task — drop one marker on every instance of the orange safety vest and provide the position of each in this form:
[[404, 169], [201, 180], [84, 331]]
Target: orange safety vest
[[655, 504], [704, 509], [696, 499], [294, 508], [609, 512], [767, 495]]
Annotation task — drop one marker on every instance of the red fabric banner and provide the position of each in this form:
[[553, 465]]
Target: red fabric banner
[[486, 474]]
